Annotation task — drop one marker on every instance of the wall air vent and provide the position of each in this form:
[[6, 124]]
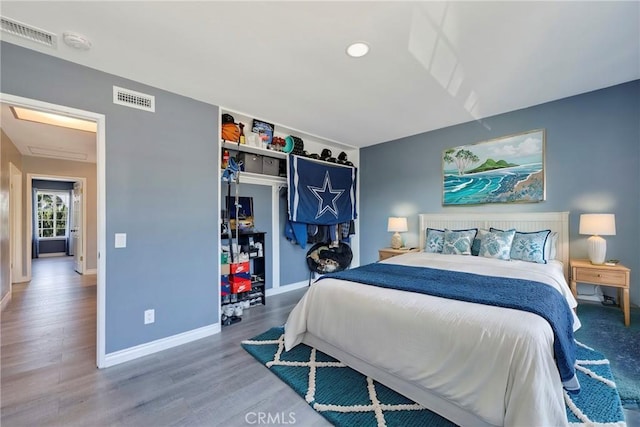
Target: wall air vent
[[132, 99], [28, 32]]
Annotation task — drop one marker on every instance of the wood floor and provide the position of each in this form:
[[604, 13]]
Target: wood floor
[[49, 375]]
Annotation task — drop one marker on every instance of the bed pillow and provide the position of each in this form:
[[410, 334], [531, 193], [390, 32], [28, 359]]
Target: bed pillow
[[497, 244], [458, 242], [550, 246], [475, 245], [530, 246], [535, 246], [435, 240]]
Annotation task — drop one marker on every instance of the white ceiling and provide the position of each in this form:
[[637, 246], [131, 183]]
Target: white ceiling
[[431, 64], [42, 140]]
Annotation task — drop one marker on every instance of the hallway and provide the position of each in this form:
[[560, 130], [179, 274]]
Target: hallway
[[48, 332]]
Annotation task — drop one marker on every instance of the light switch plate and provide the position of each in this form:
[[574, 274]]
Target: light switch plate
[[121, 240]]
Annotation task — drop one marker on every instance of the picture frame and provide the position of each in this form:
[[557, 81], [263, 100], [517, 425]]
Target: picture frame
[[508, 169], [264, 129]]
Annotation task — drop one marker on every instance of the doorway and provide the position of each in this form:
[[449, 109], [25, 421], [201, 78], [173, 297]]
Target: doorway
[[100, 120], [75, 241]]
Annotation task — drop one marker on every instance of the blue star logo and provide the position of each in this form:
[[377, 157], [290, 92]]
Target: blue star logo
[[326, 196]]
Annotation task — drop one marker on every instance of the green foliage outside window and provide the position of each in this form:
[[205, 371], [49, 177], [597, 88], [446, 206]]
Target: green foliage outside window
[[53, 214]]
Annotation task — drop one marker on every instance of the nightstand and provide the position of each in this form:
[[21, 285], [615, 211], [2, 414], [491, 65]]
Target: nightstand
[[616, 276], [385, 253]]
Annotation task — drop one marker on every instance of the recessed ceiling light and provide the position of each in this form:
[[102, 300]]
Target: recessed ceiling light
[[357, 49], [53, 119]]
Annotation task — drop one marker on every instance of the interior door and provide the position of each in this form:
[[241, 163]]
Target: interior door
[[76, 228]]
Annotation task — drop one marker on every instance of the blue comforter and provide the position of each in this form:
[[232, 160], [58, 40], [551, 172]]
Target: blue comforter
[[519, 294]]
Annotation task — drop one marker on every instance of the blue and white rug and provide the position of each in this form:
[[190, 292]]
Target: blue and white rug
[[346, 397]]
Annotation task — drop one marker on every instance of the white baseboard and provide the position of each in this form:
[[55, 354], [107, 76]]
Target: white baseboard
[[52, 254], [21, 279], [146, 349], [91, 271], [287, 288], [5, 300]]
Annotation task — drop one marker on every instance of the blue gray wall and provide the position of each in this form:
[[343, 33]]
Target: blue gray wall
[[261, 195], [161, 185], [293, 268], [293, 265], [592, 165]]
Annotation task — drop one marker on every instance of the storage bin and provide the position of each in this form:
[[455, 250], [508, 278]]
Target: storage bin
[[270, 166], [251, 162]]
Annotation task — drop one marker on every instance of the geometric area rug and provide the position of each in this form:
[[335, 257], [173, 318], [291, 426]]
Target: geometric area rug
[[347, 398]]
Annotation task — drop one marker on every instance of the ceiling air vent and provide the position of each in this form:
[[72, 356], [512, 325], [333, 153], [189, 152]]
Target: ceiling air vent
[[132, 99], [28, 32]]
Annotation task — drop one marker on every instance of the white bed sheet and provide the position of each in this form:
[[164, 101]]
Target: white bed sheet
[[495, 363]]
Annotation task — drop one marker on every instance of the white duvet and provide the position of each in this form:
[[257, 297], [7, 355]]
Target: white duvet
[[495, 363]]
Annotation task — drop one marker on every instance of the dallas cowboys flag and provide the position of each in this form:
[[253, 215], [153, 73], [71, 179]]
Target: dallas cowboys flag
[[320, 192]]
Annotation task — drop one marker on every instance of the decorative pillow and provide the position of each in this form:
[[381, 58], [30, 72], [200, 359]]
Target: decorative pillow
[[475, 246], [435, 240], [458, 242], [530, 246], [497, 244]]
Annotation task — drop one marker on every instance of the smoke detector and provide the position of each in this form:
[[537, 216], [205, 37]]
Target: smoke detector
[[76, 40]]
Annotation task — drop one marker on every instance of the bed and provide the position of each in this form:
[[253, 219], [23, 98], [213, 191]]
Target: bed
[[474, 364]]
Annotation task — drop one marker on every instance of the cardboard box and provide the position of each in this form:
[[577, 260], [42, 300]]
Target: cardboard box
[[225, 269], [240, 283], [239, 267], [270, 166]]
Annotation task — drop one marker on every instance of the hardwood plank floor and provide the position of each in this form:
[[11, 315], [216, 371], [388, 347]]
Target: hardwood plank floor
[[49, 375]]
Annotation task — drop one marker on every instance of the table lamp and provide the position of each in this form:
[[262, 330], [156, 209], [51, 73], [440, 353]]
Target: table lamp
[[597, 225], [397, 225]]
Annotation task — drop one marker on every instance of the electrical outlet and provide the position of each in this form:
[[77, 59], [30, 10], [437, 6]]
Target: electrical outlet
[[149, 316]]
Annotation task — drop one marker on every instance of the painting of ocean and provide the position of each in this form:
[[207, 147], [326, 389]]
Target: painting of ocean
[[504, 170]]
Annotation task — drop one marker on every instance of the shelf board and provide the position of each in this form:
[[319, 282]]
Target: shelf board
[[258, 178], [255, 150]]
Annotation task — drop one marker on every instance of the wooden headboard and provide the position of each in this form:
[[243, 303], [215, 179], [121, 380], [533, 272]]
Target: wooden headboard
[[530, 221]]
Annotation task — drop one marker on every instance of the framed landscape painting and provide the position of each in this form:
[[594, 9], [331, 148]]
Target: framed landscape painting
[[508, 169]]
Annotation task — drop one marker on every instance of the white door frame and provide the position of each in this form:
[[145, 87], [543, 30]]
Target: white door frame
[[79, 256], [30, 230], [100, 120], [15, 226]]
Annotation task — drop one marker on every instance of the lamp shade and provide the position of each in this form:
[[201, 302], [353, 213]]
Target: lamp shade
[[397, 224], [598, 224]]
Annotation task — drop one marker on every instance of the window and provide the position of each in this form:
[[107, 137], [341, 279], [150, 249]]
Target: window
[[53, 213]]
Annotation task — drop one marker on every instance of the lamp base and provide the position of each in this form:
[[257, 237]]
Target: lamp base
[[396, 241], [597, 249]]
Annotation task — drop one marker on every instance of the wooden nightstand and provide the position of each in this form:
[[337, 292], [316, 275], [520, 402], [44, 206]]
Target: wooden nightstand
[[616, 276], [385, 253]]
